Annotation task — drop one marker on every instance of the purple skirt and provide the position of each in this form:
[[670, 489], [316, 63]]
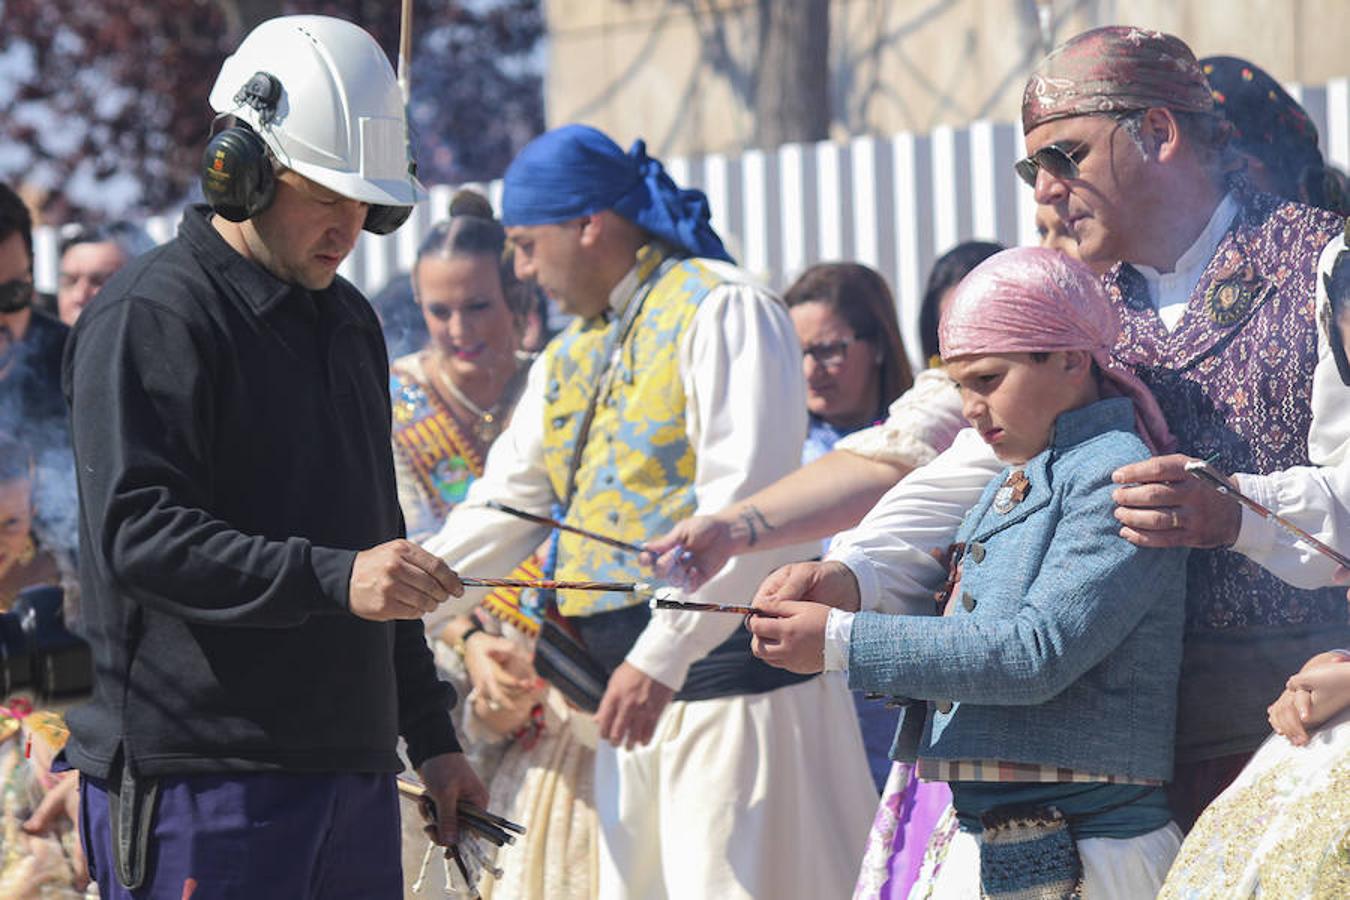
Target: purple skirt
[[904, 822]]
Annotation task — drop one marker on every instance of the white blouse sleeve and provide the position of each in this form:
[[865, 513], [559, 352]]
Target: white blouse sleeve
[[921, 423], [1314, 497], [889, 551], [746, 418]]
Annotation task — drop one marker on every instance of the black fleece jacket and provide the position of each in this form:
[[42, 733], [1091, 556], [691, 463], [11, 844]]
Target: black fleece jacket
[[231, 436]]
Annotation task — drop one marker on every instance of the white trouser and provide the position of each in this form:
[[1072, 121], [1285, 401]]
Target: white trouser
[[1113, 868], [755, 796]]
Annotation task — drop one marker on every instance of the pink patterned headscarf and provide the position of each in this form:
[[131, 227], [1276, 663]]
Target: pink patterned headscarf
[[1114, 69], [1034, 300]]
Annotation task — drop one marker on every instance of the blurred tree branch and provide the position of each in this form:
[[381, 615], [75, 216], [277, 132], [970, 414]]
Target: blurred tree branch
[[103, 107]]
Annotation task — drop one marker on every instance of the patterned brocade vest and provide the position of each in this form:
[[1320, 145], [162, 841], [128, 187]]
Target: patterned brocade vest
[[636, 474], [1235, 379], [1235, 382]]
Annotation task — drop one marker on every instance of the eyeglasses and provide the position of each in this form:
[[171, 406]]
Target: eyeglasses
[[15, 295], [830, 355], [1057, 159]]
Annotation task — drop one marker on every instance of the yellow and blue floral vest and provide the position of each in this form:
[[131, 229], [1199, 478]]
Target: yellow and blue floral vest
[[636, 475]]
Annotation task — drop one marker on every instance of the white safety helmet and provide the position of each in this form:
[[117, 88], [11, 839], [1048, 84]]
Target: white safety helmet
[[339, 119]]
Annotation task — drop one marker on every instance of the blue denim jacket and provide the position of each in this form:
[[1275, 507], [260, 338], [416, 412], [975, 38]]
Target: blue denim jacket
[[1065, 645]]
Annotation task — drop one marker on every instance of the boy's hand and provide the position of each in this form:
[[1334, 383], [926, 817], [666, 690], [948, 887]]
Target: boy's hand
[[1160, 505], [790, 635], [829, 583]]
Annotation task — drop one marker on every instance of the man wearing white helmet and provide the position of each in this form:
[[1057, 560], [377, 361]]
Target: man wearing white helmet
[[252, 608]]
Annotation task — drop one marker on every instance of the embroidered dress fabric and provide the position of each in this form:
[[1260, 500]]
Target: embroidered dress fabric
[[1281, 829], [1030, 300]]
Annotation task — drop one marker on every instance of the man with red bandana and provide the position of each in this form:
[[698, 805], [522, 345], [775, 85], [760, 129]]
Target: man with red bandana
[[1216, 297]]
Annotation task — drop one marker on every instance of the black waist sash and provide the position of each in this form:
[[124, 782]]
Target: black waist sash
[[728, 671]]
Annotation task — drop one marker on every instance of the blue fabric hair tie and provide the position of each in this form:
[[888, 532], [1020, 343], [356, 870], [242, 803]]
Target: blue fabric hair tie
[[577, 170]]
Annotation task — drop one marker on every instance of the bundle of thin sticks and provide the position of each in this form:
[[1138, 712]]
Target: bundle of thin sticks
[[471, 861]]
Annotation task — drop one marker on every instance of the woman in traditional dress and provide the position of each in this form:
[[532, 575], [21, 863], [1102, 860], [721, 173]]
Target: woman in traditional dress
[[1283, 827], [450, 401], [452, 398]]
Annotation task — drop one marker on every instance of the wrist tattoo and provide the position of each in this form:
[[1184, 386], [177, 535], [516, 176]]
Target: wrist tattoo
[[754, 520]]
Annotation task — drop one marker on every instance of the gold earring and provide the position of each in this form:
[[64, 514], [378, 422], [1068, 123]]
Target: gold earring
[[29, 551]]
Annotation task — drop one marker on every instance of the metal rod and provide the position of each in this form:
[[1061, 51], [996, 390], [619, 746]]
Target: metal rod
[[554, 523]]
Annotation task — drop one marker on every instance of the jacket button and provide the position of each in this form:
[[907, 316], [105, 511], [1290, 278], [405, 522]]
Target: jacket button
[[976, 551], [967, 601], [944, 706]]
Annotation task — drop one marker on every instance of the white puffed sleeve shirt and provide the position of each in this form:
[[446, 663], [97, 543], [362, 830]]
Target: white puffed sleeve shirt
[[1316, 497], [745, 416]]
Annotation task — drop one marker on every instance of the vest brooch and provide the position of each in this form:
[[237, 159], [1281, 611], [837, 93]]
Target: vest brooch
[[1231, 294], [1012, 492]]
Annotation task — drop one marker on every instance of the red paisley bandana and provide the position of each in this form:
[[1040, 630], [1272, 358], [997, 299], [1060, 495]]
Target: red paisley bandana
[[1115, 69]]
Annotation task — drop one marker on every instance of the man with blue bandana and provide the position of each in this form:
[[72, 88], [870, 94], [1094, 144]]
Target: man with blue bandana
[[677, 389]]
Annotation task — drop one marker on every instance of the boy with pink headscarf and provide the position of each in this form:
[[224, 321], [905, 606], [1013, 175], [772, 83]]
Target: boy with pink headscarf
[[1045, 695]]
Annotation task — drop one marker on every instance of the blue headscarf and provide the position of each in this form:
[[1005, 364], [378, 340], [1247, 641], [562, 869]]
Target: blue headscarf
[[576, 170]]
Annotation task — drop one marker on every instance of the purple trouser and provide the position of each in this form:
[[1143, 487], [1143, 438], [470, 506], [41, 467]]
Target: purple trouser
[[258, 835]]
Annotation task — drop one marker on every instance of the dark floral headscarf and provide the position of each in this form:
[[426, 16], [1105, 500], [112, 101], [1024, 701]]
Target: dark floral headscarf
[[1269, 125]]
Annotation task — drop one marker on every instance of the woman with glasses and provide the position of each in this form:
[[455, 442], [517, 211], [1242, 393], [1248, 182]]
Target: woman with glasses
[[852, 356], [450, 402]]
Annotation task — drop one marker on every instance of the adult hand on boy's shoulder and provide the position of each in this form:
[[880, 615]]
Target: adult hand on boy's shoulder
[[790, 634], [1159, 505], [828, 583]]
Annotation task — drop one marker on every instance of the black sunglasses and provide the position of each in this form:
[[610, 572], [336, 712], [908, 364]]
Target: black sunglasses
[[15, 295], [1057, 159]]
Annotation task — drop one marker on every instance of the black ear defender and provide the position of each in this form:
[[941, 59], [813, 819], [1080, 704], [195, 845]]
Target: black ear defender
[[237, 177], [385, 219]]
